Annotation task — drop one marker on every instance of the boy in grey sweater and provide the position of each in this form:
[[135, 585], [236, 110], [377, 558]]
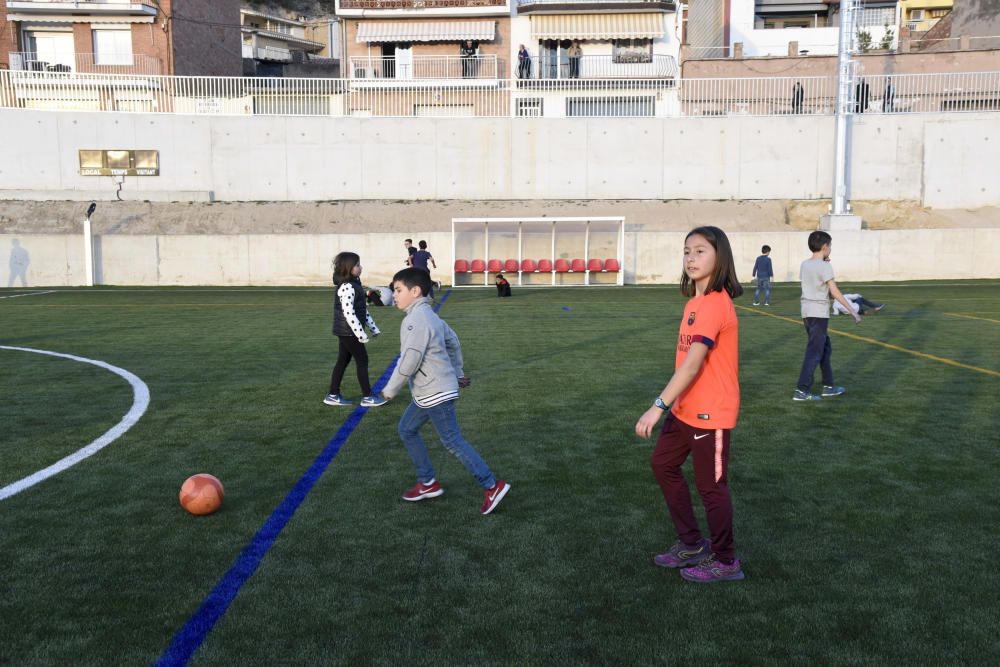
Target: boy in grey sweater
[[430, 361]]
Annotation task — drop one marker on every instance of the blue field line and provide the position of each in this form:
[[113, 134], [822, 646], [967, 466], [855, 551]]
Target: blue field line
[[193, 634]]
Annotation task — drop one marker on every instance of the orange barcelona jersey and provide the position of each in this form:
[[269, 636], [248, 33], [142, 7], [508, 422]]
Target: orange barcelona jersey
[[712, 400]]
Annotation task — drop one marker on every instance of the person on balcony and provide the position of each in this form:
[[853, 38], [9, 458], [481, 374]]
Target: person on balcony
[[798, 95], [523, 63], [468, 52], [575, 53], [888, 97], [862, 92]]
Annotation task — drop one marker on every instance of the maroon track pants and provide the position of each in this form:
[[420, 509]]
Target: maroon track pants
[[710, 451]]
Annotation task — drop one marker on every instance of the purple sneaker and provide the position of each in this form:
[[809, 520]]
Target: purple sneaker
[[712, 569], [684, 555]]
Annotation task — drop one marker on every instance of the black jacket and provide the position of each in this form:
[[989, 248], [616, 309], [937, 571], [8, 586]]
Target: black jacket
[[340, 325]]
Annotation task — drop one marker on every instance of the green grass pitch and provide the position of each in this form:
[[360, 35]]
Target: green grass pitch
[[867, 524]]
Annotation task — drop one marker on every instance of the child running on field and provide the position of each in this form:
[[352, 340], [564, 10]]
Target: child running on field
[[349, 313], [818, 287], [430, 360], [701, 402]]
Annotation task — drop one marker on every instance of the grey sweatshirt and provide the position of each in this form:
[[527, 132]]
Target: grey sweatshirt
[[430, 357]]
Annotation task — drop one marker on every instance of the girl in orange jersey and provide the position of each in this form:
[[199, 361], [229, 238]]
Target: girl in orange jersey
[[701, 402]]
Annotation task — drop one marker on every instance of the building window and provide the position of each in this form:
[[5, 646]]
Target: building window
[[611, 106], [112, 47], [632, 51], [938, 13], [876, 17], [530, 106]]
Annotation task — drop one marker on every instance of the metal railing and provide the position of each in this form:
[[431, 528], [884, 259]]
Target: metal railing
[[900, 93], [424, 67], [82, 4], [625, 66], [115, 63], [267, 53]]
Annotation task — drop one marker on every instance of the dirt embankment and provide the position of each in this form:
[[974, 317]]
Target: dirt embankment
[[24, 217]]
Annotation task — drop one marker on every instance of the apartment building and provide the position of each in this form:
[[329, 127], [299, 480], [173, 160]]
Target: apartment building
[[919, 16], [784, 27], [149, 37], [278, 39], [596, 39]]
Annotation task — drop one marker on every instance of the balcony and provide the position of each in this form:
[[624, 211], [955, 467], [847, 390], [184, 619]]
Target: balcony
[[425, 68], [543, 6], [622, 66], [87, 63], [78, 11], [271, 53]]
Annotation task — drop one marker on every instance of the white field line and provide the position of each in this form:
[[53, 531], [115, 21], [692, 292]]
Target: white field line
[[14, 296], [140, 401]]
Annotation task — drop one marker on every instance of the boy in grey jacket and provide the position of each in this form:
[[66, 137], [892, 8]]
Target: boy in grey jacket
[[430, 361]]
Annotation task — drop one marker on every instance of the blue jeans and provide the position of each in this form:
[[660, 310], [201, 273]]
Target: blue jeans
[[818, 353], [446, 424], [763, 284]]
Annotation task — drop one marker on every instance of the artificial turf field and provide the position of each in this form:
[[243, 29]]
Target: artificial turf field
[[867, 524]]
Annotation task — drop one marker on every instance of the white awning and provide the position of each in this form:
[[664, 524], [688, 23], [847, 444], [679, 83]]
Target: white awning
[[597, 26], [86, 18], [426, 31]]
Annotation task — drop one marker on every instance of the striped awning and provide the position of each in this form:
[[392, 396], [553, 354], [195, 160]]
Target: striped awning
[[597, 26], [81, 18], [426, 31]]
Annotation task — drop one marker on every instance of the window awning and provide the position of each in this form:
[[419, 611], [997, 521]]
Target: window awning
[[427, 31], [597, 26], [80, 18]]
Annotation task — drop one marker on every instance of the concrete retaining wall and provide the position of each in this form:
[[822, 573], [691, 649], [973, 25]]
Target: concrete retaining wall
[[942, 160], [305, 259]]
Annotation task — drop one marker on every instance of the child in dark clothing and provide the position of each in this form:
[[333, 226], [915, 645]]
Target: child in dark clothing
[[763, 272], [350, 314], [503, 286]]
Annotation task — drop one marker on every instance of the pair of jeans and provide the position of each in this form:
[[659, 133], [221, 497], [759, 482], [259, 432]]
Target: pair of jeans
[[818, 353], [762, 284], [442, 416]]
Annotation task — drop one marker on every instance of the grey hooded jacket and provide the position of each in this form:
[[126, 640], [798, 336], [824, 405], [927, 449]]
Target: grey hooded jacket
[[430, 357]]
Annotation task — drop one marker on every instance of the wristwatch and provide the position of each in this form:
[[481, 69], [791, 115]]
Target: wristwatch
[[660, 404]]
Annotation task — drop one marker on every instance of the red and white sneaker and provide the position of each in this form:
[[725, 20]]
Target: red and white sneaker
[[421, 491], [493, 496]]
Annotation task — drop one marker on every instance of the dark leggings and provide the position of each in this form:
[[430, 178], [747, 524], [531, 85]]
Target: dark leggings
[[351, 347]]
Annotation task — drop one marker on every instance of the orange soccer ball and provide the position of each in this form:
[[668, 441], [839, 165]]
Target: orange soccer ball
[[201, 494]]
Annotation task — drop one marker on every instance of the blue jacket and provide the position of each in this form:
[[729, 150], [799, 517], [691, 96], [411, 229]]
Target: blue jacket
[[762, 268]]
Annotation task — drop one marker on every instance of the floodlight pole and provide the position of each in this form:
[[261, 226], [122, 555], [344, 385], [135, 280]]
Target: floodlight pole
[[88, 247], [840, 216]]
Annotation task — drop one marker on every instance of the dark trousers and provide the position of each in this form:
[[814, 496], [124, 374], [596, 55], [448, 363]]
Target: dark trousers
[[351, 347], [574, 68], [818, 353], [864, 303], [710, 453]]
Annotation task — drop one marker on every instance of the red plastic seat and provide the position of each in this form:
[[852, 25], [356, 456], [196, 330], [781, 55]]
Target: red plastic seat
[[611, 265], [510, 266], [478, 266], [595, 265], [494, 266], [461, 266], [545, 266], [578, 266], [562, 266], [528, 265]]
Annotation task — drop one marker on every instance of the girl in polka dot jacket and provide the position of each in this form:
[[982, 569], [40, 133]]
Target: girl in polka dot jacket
[[349, 312]]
